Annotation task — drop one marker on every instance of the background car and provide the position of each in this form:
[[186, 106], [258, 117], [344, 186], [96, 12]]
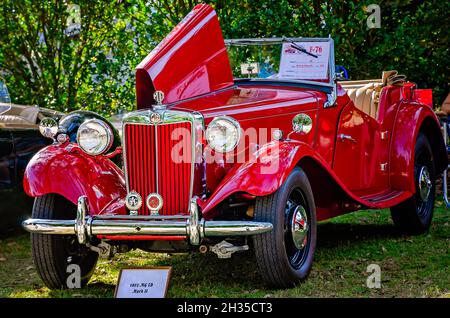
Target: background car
[[19, 141]]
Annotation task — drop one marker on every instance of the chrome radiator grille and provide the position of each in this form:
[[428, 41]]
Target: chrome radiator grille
[[158, 159]]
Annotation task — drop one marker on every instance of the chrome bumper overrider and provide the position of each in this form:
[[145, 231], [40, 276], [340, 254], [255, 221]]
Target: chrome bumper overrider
[[85, 226]]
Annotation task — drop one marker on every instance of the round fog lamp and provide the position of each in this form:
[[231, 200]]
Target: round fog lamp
[[48, 127]]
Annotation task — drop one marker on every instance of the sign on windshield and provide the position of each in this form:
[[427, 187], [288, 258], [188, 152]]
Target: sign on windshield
[[305, 60]]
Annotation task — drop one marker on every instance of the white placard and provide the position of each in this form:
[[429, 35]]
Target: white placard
[[299, 65], [249, 68], [143, 282]]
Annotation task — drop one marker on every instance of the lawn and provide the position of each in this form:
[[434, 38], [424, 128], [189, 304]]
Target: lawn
[[410, 266]]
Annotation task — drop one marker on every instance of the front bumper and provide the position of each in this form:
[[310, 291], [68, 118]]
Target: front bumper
[[86, 226]]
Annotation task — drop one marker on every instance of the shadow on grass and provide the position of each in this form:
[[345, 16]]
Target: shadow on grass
[[12, 232], [206, 275], [330, 235], [92, 290]]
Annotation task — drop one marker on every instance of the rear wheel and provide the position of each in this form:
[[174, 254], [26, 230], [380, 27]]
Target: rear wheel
[[414, 215], [285, 255], [52, 254]]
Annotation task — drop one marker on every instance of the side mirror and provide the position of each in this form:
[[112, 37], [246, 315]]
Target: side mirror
[[302, 124]]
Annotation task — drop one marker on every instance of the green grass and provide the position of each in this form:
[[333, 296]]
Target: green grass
[[416, 266]]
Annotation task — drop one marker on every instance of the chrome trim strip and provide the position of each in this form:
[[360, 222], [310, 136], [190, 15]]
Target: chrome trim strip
[[192, 226], [80, 224], [156, 160], [270, 41], [331, 98], [235, 228], [131, 227], [86, 226], [140, 217], [61, 227]]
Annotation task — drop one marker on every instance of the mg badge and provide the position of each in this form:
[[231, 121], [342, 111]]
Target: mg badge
[[133, 202], [158, 96], [154, 203], [155, 118]]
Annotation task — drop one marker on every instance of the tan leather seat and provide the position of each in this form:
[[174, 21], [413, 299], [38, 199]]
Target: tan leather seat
[[365, 98], [365, 93]]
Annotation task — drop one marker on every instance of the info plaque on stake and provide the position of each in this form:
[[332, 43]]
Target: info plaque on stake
[[143, 282]]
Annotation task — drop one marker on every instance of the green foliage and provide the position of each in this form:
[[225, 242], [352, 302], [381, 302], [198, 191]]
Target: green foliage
[[413, 38], [95, 69], [92, 69]]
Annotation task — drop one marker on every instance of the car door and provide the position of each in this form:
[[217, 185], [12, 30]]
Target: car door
[[357, 159], [7, 161], [7, 180], [26, 143]]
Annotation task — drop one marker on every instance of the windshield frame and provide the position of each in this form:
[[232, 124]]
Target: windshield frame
[[5, 105], [330, 87]]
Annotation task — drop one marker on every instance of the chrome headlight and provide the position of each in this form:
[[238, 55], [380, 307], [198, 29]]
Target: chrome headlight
[[223, 134], [95, 137]]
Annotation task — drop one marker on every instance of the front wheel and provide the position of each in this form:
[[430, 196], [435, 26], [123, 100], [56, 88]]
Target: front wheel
[[52, 254], [285, 255]]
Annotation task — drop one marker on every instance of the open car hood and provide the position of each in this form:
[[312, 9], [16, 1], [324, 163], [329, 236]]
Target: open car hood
[[192, 60]]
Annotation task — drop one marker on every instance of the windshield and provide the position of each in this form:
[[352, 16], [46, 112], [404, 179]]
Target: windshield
[[5, 101], [280, 59]]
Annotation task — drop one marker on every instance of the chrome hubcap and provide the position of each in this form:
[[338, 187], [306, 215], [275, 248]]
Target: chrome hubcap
[[425, 183], [299, 227]]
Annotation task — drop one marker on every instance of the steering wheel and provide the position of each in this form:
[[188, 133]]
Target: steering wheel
[[341, 72]]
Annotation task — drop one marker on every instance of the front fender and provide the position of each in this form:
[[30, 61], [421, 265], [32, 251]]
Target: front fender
[[262, 175], [66, 170], [413, 118]]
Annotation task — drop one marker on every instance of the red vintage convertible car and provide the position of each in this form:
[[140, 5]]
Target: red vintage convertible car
[[209, 160]]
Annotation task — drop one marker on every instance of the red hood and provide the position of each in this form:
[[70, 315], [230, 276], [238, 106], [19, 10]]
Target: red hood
[[241, 101], [192, 60]]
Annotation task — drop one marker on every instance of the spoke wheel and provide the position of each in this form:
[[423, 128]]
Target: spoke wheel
[[414, 215], [285, 255], [296, 229]]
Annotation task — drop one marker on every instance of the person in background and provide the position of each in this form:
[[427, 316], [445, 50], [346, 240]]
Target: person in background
[[445, 108]]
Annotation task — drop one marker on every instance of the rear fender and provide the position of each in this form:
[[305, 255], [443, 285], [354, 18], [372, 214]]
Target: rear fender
[[69, 172], [413, 118]]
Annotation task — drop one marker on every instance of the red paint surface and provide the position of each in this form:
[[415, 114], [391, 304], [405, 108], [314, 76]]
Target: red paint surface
[[424, 96], [68, 171], [192, 60]]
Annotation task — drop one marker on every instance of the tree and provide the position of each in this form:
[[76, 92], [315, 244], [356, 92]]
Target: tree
[[45, 65]]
